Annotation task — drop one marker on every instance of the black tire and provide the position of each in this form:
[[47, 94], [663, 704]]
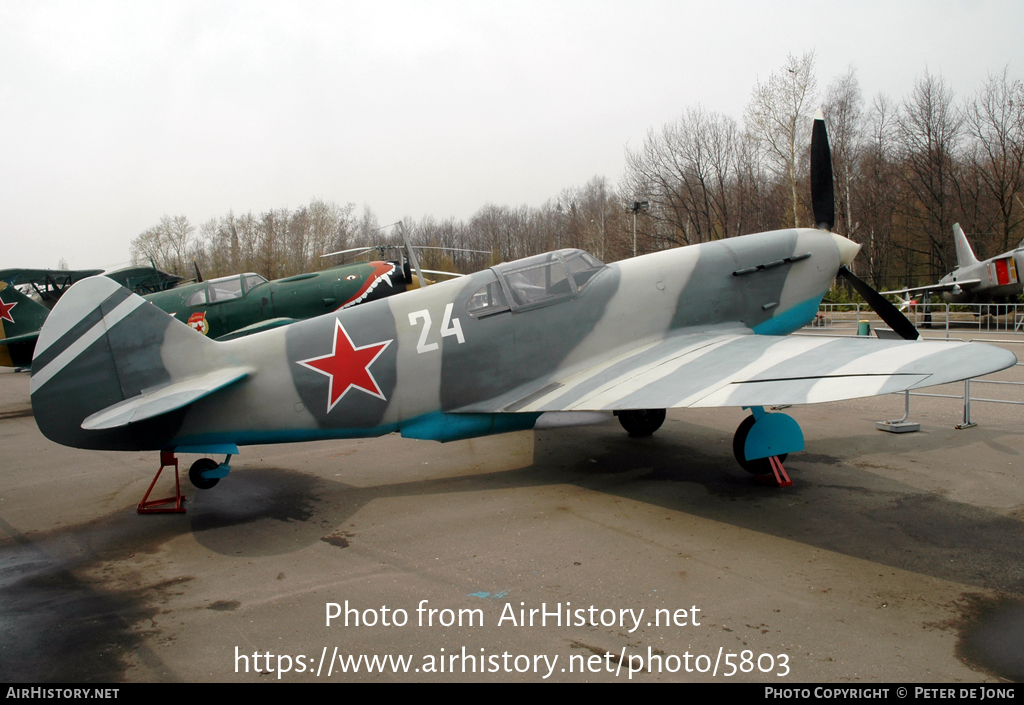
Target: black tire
[[195, 473], [641, 422], [761, 466]]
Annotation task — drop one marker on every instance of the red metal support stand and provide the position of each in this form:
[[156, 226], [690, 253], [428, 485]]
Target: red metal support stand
[[156, 506], [778, 478]]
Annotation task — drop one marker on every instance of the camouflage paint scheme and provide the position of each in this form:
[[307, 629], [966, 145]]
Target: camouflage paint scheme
[[247, 302], [703, 325]]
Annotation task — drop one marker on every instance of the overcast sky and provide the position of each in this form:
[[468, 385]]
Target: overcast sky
[[113, 114]]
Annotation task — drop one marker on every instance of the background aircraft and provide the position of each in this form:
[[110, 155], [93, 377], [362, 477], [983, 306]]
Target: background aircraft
[[504, 349], [233, 306], [242, 304], [972, 281], [19, 327], [48, 285], [20, 321]]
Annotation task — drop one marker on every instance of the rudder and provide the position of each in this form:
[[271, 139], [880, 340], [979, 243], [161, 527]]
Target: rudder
[[964, 254], [101, 345]]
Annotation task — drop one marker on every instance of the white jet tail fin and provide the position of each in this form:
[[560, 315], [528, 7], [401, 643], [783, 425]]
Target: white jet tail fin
[[964, 254]]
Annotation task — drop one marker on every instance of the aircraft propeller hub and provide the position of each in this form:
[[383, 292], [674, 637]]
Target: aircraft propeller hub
[[848, 249]]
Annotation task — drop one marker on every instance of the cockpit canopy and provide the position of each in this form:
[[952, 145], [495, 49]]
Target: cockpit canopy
[[225, 289], [536, 281]]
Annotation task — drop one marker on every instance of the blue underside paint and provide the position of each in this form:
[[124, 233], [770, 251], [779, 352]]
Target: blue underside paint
[[456, 427], [773, 434], [793, 318], [209, 449], [436, 426]]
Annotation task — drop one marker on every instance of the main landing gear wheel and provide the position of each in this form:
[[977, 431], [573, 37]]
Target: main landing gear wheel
[[195, 473], [641, 422], [761, 466]]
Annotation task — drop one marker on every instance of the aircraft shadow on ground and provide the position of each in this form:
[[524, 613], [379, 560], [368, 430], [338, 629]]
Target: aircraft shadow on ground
[[833, 505]]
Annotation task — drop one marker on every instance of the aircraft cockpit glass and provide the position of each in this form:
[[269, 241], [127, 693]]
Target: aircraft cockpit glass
[[539, 280], [197, 299], [225, 289], [488, 299], [581, 266], [547, 279], [252, 281]]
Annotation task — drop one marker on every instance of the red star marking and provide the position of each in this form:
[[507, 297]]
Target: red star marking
[[347, 366], [5, 311]]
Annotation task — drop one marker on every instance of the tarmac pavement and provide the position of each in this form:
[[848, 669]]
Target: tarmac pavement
[[893, 558]]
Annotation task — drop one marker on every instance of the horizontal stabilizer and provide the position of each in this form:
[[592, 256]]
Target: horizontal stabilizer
[[16, 339], [154, 402]]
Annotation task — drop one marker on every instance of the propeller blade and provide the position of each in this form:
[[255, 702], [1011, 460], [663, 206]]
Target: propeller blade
[[412, 255], [822, 194], [342, 252], [450, 249], [882, 306]]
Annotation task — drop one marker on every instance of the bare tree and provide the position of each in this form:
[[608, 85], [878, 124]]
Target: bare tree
[[845, 120], [166, 245], [685, 172], [779, 113], [995, 121], [877, 196], [929, 128]]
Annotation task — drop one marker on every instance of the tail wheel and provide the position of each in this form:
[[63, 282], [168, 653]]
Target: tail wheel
[[761, 466], [641, 422], [195, 473]]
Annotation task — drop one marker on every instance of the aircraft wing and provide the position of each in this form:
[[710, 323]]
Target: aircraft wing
[[144, 280], [948, 286], [18, 276], [738, 368]]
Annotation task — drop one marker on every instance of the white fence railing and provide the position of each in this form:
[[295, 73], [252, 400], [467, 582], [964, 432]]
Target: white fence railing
[[987, 318]]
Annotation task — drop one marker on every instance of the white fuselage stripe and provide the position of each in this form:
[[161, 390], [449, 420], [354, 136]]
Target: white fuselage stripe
[[88, 338]]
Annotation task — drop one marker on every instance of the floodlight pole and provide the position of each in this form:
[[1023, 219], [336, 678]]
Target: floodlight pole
[[636, 208]]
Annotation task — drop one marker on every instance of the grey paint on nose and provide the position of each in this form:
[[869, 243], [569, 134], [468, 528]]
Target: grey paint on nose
[[722, 296]]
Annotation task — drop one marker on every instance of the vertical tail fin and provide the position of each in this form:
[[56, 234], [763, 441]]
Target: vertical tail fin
[[102, 345], [20, 321], [964, 254]]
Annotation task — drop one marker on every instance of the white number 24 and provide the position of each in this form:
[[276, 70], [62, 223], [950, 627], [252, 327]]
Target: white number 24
[[449, 326]]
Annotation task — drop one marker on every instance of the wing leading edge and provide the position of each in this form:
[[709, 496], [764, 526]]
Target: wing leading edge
[[737, 368]]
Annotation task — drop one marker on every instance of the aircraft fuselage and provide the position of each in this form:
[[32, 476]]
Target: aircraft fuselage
[[404, 362]]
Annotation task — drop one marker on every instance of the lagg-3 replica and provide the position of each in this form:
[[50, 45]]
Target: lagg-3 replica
[[495, 351]]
